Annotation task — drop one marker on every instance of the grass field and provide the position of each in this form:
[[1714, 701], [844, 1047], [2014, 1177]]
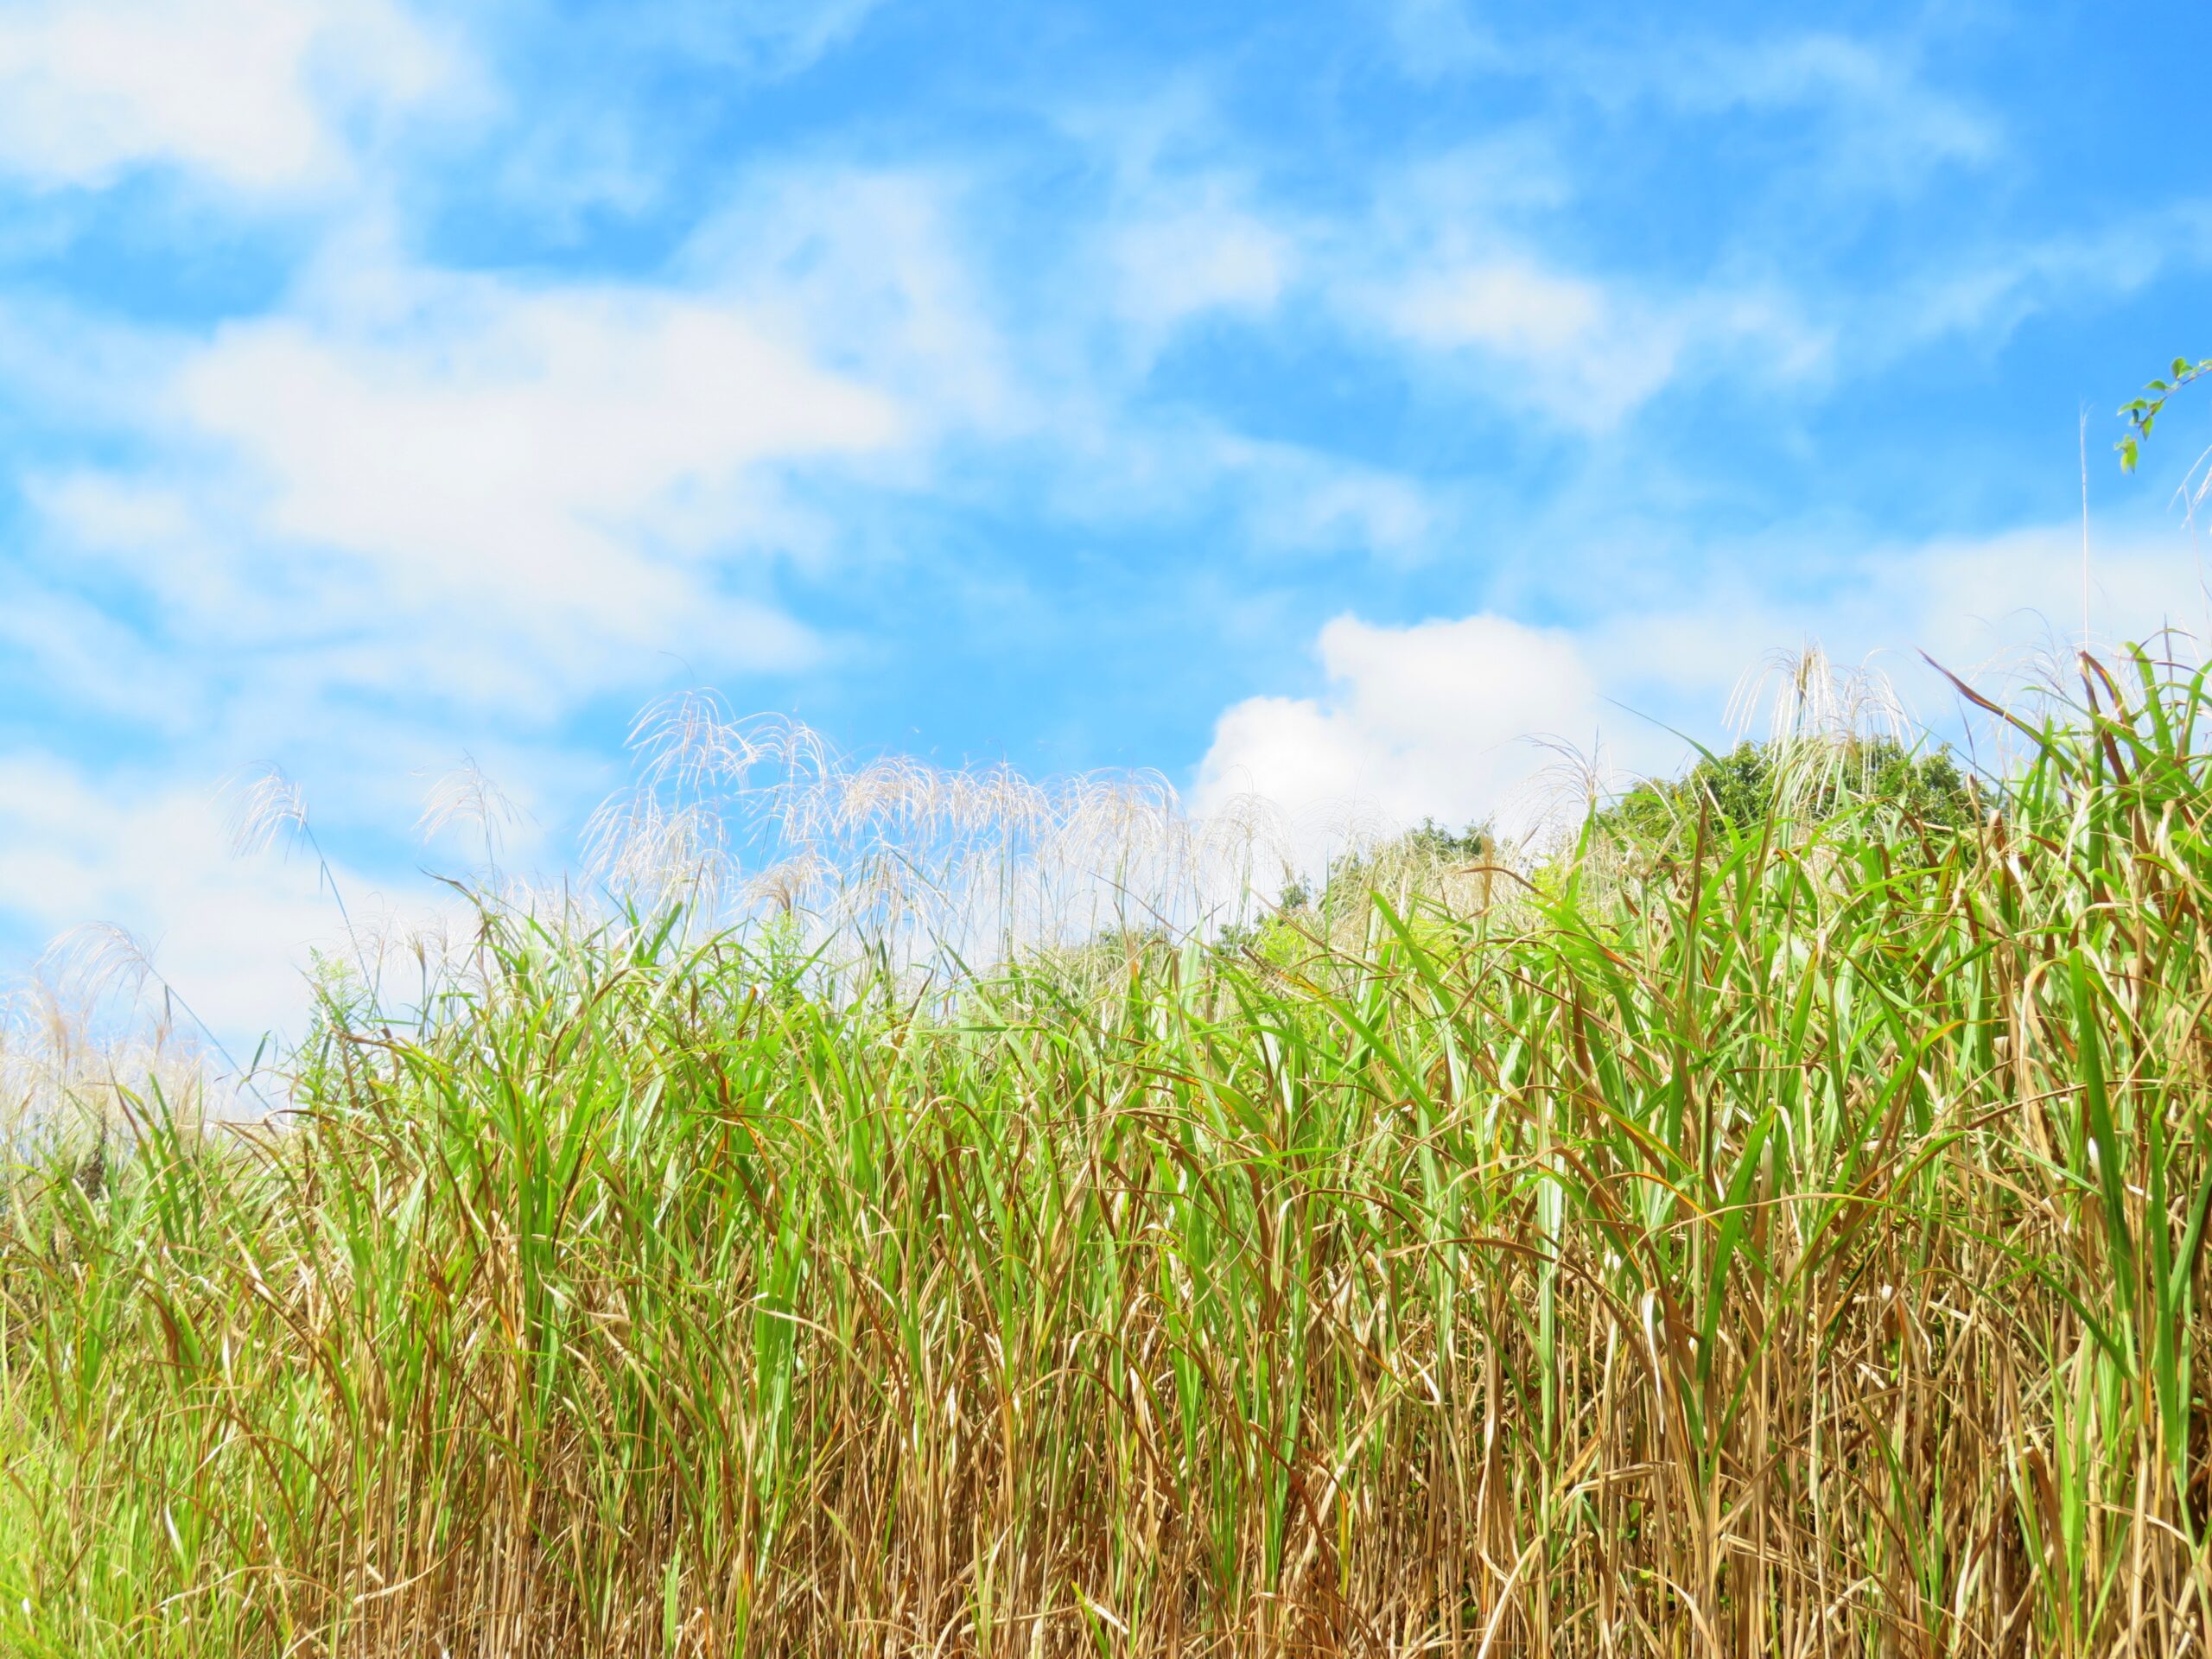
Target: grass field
[[1774, 1238]]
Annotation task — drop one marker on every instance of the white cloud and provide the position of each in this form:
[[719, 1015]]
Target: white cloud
[[1430, 720], [1994, 289], [1453, 265], [1109, 467], [1994, 609], [255, 94], [409, 511], [494, 453], [1892, 127], [1435, 719], [73, 653], [1306, 500], [596, 106], [1585, 351], [1587, 354], [469, 488], [1509, 306], [776, 37], [2014, 603], [1184, 232], [1201, 252], [873, 272], [1883, 126]]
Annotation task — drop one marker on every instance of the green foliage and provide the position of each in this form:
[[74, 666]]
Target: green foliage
[[1805, 782], [1799, 1249], [1400, 868], [2143, 413], [1277, 938], [1406, 865], [1468, 845]]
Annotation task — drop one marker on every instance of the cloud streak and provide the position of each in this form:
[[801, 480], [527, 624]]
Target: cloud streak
[[261, 96]]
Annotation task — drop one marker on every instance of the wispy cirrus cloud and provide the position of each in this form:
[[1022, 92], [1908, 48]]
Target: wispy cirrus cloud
[[771, 37], [1988, 290], [1584, 351], [1879, 121], [1886, 126]]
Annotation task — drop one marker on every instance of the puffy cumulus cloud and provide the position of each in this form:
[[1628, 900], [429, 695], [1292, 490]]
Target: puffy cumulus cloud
[[500, 451], [1430, 720], [258, 95]]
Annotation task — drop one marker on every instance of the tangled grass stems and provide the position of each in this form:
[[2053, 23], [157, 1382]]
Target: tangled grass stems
[[1793, 1248]]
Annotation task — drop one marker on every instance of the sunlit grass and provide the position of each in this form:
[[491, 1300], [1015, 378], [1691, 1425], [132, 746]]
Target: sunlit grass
[[1783, 1241]]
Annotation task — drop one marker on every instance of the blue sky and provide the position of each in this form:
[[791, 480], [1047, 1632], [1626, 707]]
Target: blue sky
[[1310, 398]]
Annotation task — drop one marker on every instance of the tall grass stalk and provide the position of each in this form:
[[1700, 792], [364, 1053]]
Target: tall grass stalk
[[1789, 1246]]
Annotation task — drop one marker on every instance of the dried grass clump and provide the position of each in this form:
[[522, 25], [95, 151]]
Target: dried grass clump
[[95, 1039]]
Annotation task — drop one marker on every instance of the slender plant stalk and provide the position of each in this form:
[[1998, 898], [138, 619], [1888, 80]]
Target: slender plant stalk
[[1789, 1245]]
